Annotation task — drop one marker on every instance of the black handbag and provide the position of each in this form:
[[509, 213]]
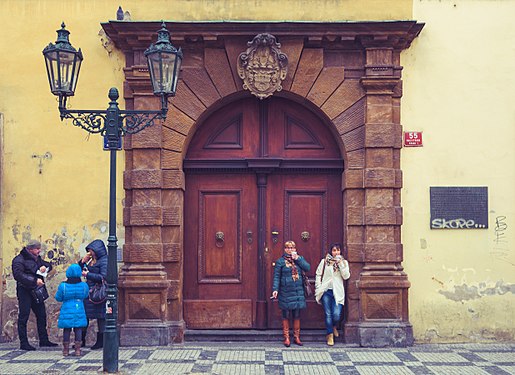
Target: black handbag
[[98, 292], [308, 289], [39, 294]]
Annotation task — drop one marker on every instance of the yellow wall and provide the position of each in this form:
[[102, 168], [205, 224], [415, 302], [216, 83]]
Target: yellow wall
[[459, 89], [66, 205]]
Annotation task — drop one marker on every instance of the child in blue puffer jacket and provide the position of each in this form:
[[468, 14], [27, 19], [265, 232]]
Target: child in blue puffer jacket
[[72, 315]]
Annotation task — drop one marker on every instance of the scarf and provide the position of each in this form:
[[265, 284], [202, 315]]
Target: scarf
[[73, 280], [291, 263], [330, 261]]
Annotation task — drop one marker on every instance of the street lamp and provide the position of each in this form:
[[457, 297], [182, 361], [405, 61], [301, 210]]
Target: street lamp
[[63, 63]]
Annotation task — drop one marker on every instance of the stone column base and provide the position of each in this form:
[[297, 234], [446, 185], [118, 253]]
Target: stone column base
[[383, 334], [149, 333]]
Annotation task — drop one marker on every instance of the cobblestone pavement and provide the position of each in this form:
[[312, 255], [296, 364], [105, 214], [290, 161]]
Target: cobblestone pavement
[[270, 358]]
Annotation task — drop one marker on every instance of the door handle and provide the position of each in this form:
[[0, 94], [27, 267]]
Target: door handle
[[249, 236], [219, 239]]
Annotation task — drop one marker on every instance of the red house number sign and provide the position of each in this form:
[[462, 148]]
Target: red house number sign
[[412, 139]]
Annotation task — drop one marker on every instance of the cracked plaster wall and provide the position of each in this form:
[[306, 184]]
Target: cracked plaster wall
[[458, 85], [54, 175], [458, 90], [60, 248]]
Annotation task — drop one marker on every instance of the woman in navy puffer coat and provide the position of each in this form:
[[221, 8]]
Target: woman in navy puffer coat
[[72, 315], [288, 286], [94, 269]]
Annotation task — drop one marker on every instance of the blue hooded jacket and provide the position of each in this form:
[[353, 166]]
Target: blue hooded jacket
[[72, 293]]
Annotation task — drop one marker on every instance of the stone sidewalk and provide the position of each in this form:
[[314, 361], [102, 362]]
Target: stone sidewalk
[[234, 358]]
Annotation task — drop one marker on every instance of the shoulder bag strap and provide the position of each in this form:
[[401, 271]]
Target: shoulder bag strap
[[323, 270]]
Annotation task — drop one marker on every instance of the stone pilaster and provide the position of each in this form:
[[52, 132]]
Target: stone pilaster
[[383, 286], [150, 309]]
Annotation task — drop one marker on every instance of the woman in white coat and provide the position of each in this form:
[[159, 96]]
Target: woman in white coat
[[329, 290]]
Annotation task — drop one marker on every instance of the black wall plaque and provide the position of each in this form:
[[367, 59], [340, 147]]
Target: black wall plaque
[[459, 207]]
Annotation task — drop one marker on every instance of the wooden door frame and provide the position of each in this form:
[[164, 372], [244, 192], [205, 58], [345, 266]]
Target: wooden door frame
[[350, 73]]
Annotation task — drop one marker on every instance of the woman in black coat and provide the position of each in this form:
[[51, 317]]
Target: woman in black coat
[[94, 269]]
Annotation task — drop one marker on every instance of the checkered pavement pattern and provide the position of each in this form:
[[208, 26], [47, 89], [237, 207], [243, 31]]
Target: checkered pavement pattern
[[271, 358]]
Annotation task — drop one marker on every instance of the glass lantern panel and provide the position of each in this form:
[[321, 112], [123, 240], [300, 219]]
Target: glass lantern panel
[[75, 73], [175, 77], [51, 68], [66, 65], [154, 67], [168, 71]]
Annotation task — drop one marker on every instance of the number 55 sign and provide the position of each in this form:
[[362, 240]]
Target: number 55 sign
[[412, 139]]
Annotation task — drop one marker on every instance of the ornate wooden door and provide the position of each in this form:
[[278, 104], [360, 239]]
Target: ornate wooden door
[[220, 259], [307, 210], [258, 173]]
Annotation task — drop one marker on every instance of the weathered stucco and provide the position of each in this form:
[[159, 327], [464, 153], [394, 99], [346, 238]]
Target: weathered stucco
[[61, 249], [61, 199], [458, 89]]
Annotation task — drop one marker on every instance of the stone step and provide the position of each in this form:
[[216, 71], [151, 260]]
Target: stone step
[[214, 335]]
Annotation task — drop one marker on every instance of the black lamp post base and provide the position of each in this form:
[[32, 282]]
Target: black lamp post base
[[111, 346]]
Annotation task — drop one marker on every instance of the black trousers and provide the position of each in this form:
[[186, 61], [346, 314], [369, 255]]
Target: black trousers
[[68, 331], [295, 314], [25, 304]]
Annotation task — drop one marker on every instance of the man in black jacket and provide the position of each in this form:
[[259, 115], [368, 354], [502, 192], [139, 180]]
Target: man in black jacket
[[29, 271]]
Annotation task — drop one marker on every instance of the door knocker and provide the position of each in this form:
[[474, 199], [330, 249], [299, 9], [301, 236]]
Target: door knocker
[[305, 236], [219, 239], [275, 236]]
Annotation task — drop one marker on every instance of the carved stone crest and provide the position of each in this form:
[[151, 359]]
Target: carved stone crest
[[263, 66]]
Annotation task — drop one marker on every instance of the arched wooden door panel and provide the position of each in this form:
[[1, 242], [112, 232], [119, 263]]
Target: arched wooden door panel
[[231, 133], [258, 173], [220, 274], [305, 208]]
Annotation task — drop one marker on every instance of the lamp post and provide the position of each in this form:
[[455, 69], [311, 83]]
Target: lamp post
[[63, 63]]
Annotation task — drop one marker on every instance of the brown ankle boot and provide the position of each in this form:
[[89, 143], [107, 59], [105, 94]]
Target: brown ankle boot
[[286, 332], [66, 348], [77, 348], [296, 332]]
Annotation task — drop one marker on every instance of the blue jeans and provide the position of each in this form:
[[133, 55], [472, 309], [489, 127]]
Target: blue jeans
[[332, 311]]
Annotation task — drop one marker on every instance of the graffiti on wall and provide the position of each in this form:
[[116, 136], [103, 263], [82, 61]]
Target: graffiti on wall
[[440, 223], [501, 244], [458, 207], [501, 226]]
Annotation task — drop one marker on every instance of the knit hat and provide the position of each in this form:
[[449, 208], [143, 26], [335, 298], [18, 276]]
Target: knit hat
[[33, 244]]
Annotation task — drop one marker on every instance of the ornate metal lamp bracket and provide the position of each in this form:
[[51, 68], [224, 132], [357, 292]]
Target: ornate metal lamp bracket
[[126, 121], [263, 66]]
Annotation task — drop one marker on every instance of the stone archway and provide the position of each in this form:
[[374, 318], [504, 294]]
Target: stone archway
[[351, 72]]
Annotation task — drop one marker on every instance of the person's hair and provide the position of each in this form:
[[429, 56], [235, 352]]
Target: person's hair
[[290, 243], [333, 245], [93, 256]]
